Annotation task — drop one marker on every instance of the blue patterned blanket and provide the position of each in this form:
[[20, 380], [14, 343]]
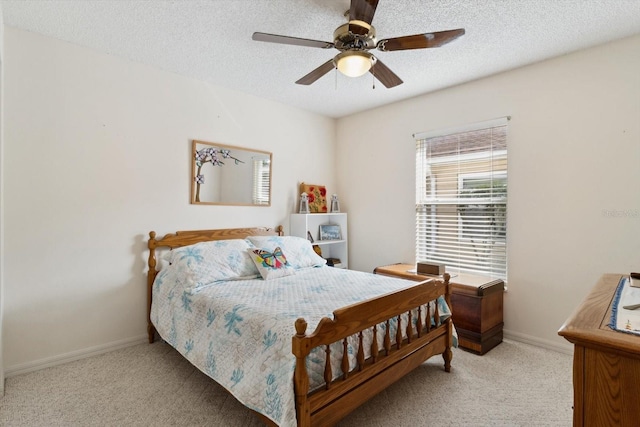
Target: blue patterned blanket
[[239, 332]]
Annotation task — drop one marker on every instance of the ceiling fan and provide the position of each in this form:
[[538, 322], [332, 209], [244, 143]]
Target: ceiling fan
[[355, 38]]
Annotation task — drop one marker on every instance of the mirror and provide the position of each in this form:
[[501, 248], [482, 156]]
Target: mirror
[[228, 175]]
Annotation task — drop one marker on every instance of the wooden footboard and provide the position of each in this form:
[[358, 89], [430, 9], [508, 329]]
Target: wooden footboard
[[400, 353]]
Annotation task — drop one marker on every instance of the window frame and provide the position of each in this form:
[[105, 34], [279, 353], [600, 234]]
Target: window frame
[[441, 171]]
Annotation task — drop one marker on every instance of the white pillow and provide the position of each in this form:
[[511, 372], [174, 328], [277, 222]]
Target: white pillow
[[300, 253], [208, 262], [271, 264]]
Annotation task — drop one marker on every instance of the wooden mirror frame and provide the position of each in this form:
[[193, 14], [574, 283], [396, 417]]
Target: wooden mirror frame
[[232, 181]]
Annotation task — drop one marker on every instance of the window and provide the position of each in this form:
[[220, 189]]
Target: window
[[261, 181], [461, 198]]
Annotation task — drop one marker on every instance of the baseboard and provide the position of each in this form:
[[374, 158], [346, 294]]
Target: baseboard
[[48, 362], [538, 342]]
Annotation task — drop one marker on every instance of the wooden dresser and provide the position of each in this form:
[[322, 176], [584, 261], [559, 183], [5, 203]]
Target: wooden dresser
[[476, 305], [606, 363]]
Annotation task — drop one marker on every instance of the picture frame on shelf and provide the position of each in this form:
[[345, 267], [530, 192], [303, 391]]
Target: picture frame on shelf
[[330, 232], [316, 197]]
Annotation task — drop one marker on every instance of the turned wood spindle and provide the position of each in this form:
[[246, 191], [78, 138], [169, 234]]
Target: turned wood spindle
[[409, 326], [399, 333], [360, 351], [387, 339], [328, 375], [419, 321], [374, 344], [345, 359]]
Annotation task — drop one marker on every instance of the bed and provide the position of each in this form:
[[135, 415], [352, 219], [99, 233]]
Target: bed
[[304, 348]]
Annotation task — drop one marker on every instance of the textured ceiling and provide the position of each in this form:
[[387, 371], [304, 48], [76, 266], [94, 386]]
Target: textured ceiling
[[211, 40]]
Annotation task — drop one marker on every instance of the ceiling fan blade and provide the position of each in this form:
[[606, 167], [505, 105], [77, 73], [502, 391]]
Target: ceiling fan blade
[[419, 41], [317, 73], [363, 10], [274, 38], [385, 75]]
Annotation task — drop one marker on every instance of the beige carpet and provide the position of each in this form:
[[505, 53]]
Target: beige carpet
[[514, 384]]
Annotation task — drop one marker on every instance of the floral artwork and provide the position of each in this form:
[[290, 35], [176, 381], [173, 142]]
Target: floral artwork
[[317, 195], [210, 155]]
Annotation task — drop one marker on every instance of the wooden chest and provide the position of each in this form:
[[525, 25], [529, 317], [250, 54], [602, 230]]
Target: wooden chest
[[476, 304]]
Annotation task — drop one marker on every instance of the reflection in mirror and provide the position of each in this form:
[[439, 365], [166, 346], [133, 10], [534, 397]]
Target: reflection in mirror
[[228, 175]]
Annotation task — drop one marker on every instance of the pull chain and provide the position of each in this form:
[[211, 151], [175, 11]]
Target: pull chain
[[373, 75]]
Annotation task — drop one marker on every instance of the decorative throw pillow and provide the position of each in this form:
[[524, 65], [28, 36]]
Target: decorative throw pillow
[[271, 264], [207, 262], [300, 253]]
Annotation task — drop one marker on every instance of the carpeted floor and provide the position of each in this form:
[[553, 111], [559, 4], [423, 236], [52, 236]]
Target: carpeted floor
[[514, 384]]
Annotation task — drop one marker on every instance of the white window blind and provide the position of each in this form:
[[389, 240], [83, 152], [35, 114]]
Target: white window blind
[[261, 181], [461, 198]]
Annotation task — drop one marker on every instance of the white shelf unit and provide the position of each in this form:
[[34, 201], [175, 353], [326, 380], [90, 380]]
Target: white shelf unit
[[300, 224]]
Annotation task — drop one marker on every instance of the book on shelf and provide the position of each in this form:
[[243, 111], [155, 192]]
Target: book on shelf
[[334, 262]]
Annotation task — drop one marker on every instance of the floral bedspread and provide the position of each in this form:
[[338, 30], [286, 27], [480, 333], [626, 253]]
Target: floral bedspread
[[239, 332]]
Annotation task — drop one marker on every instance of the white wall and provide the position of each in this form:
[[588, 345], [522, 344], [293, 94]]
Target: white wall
[[574, 172], [1, 197], [97, 154]]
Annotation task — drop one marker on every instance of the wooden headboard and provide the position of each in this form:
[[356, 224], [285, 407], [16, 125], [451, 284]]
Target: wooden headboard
[[190, 237]]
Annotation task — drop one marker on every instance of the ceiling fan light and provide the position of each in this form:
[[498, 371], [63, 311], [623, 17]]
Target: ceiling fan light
[[354, 63]]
